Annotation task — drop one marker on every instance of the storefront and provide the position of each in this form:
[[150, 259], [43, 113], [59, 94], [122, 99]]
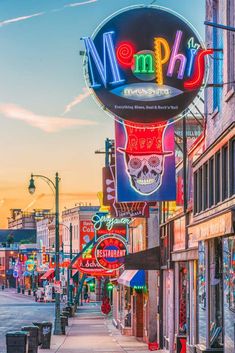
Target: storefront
[[131, 300], [216, 285]]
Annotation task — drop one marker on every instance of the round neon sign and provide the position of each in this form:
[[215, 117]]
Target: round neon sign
[[109, 252], [145, 64]]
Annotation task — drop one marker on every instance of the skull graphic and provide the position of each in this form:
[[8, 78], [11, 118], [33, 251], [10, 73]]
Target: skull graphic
[[145, 171]]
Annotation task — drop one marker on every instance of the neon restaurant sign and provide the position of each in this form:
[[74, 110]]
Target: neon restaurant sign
[[145, 64]]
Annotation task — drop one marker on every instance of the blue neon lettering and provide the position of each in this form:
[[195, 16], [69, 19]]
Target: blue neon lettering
[[108, 53], [191, 58]]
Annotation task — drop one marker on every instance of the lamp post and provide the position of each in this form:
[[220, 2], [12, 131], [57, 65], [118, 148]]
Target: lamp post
[[69, 270], [55, 185]]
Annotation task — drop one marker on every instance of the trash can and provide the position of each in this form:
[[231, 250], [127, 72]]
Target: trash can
[[29, 292], [22, 290], [69, 309], [63, 320], [18, 289], [73, 310], [67, 320], [33, 337], [46, 334], [65, 313], [17, 341], [39, 325]]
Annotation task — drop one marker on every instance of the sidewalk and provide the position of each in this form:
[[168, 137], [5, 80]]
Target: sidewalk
[[90, 332]]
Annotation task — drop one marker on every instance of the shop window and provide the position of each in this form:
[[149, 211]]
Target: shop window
[[216, 293], [201, 293], [211, 182], [183, 297], [127, 306], [229, 293], [225, 181], [217, 177]]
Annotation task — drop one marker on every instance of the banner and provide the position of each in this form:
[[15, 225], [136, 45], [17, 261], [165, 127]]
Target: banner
[[145, 162]]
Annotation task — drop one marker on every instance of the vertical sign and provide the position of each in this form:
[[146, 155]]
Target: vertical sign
[[86, 232], [145, 162]]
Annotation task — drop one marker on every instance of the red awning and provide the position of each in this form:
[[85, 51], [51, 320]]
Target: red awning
[[74, 272], [48, 273]]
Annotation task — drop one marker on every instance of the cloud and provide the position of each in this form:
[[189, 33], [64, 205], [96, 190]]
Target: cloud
[[33, 202], [18, 19], [80, 3], [45, 123], [77, 100]]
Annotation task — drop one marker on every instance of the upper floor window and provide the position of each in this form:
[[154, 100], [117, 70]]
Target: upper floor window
[[230, 46], [217, 39]]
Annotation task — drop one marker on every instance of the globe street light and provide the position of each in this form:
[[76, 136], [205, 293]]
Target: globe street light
[[31, 188]]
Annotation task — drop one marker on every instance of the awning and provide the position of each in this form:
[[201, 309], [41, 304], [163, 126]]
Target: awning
[[48, 273], [149, 259], [88, 279], [132, 278], [74, 272]]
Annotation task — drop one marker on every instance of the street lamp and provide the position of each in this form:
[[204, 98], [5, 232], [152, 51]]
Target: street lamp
[[55, 185], [69, 270]]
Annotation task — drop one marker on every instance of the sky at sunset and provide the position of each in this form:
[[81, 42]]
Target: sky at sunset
[[49, 122]]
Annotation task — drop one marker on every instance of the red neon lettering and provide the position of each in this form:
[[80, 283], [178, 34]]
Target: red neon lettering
[[125, 52], [199, 70]]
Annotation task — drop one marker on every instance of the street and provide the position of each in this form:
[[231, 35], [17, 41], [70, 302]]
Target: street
[[18, 310]]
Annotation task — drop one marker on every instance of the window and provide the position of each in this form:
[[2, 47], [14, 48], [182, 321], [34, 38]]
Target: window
[[205, 186], [211, 182], [183, 271], [230, 45], [225, 181], [229, 292], [217, 177], [216, 292], [232, 168], [200, 190], [201, 293], [217, 59], [195, 193]]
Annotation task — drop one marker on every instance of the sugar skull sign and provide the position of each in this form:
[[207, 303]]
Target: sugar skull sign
[[145, 162]]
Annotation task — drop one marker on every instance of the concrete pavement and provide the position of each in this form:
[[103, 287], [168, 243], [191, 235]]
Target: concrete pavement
[[91, 332]]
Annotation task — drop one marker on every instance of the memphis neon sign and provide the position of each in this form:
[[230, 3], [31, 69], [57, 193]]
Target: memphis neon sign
[[148, 63], [145, 64]]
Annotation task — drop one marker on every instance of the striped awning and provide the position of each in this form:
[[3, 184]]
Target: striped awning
[[132, 278]]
